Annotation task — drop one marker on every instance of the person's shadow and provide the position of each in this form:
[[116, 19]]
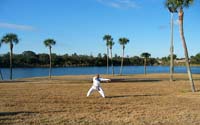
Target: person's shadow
[[15, 113], [137, 95]]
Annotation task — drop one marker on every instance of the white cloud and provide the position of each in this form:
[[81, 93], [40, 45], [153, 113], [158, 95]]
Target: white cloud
[[16, 26], [119, 3]]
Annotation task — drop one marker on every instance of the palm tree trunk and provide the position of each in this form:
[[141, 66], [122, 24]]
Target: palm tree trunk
[[11, 54], [145, 63], [181, 15], [172, 49], [111, 61], [122, 61], [107, 59], [50, 62], [1, 75]]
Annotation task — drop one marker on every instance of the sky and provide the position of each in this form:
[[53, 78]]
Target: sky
[[78, 26]]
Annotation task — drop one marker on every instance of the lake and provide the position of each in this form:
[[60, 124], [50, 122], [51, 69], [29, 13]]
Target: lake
[[38, 72]]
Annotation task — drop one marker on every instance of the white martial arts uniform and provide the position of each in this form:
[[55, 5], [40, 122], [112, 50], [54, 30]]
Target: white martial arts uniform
[[96, 86]]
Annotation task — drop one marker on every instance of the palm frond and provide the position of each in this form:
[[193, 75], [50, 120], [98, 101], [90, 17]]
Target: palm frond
[[49, 42], [10, 38]]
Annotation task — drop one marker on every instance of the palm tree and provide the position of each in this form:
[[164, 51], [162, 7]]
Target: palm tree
[[145, 55], [10, 39], [180, 4], [122, 42], [172, 9], [49, 43], [111, 44], [107, 38], [0, 70]]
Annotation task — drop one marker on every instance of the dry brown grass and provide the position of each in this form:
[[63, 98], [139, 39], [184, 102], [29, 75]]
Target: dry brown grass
[[138, 99]]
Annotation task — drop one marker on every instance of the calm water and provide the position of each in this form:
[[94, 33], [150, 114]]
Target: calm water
[[37, 72]]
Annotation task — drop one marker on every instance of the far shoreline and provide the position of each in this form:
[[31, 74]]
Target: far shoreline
[[114, 78], [79, 66]]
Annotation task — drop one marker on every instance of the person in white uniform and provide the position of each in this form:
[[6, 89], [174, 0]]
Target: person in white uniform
[[96, 85]]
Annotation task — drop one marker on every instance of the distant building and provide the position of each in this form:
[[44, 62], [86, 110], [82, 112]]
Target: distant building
[[181, 60], [159, 61]]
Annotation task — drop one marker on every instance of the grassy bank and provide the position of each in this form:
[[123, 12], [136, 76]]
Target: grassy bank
[[130, 99]]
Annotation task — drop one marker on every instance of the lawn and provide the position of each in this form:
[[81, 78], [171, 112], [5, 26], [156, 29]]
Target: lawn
[[130, 99]]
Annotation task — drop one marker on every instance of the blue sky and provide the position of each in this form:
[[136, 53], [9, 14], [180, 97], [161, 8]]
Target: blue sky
[[79, 25]]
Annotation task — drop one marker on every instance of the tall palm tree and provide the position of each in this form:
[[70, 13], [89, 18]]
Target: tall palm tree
[[10, 39], [107, 38], [172, 9], [122, 41], [145, 55], [111, 44], [180, 4], [49, 43], [0, 70]]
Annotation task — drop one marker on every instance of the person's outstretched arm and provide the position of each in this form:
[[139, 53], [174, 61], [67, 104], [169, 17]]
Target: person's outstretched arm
[[102, 79]]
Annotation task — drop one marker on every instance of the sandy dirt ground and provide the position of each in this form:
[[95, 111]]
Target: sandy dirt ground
[[130, 99]]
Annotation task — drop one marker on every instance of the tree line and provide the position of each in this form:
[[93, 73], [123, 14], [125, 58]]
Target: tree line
[[31, 59]]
